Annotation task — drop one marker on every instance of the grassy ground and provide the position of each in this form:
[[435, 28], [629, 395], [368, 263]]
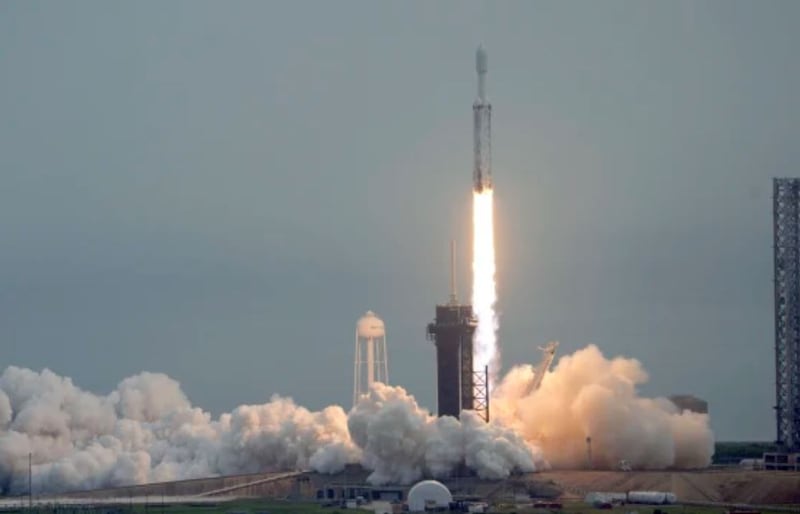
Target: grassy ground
[[272, 507], [247, 507], [582, 508], [277, 507]]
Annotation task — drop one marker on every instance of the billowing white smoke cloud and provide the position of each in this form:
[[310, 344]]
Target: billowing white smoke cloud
[[402, 442], [587, 395], [281, 435], [146, 430]]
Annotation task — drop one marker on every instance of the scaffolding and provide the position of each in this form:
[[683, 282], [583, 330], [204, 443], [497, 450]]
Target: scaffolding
[[480, 393], [786, 225]]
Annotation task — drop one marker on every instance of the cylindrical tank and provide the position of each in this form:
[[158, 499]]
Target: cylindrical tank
[[370, 326], [597, 497], [651, 497], [370, 363]]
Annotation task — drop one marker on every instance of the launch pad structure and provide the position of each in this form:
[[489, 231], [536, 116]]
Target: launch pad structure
[[452, 332], [458, 385]]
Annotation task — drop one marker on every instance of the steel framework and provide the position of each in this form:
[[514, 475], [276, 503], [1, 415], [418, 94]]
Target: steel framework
[[786, 233], [480, 394]]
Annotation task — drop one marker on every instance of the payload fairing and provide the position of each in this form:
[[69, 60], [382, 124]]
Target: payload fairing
[[482, 111]]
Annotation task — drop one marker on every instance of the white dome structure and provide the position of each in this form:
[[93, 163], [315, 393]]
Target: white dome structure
[[428, 494]]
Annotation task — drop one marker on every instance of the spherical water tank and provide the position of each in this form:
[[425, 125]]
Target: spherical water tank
[[430, 494], [370, 326]]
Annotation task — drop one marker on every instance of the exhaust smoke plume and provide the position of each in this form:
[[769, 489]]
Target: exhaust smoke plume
[[402, 442], [146, 430], [587, 395]]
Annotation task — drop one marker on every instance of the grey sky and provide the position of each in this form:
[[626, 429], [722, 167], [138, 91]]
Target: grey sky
[[219, 190]]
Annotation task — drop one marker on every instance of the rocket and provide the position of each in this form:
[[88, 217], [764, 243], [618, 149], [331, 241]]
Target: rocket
[[482, 112]]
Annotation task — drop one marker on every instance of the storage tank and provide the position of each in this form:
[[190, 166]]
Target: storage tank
[[371, 364], [597, 497], [428, 494], [651, 497]]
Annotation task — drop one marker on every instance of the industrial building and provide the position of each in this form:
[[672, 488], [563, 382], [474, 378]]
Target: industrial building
[[781, 461]]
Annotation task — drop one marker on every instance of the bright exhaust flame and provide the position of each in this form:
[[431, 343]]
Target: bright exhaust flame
[[484, 291]]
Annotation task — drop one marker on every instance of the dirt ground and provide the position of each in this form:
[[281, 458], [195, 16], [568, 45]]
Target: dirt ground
[[753, 487]]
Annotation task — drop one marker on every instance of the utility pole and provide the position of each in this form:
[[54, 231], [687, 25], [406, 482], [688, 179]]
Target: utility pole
[[30, 481], [589, 451]]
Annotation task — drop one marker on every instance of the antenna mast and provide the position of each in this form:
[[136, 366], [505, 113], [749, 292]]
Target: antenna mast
[[453, 295]]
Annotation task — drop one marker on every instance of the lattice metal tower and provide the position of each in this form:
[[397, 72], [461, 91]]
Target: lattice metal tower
[[786, 222], [371, 363]]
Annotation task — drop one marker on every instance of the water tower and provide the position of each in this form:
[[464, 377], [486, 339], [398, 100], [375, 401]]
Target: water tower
[[371, 363]]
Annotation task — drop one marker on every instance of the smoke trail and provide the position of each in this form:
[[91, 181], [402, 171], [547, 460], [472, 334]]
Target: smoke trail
[[484, 292]]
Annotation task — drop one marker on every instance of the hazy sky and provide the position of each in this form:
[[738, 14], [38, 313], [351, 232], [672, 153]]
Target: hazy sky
[[218, 190]]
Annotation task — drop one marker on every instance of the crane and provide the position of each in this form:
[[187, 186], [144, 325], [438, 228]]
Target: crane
[[548, 354]]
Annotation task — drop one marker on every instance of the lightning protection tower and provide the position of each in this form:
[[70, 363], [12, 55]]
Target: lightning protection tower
[[371, 363], [786, 233]]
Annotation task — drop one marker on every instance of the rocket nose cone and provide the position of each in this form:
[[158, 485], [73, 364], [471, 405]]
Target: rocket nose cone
[[481, 60]]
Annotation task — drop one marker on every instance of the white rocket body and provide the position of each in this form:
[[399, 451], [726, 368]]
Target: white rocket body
[[482, 112]]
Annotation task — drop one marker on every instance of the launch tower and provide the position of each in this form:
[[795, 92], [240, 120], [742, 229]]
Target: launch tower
[[786, 221], [452, 332]]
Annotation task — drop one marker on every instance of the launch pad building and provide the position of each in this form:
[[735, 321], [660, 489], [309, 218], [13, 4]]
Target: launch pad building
[[452, 332]]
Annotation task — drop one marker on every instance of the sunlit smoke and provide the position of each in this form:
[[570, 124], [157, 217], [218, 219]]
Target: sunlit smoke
[[484, 290], [589, 395]]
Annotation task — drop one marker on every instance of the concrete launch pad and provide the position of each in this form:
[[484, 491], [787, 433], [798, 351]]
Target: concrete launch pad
[[725, 486]]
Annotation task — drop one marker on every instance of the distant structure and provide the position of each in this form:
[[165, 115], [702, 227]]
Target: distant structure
[[456, 386], [690, 403], [371, 363], [548, 355], [429, 495], [786, 233]]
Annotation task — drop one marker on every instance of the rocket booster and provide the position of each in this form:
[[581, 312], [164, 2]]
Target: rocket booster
[[482, 112]]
